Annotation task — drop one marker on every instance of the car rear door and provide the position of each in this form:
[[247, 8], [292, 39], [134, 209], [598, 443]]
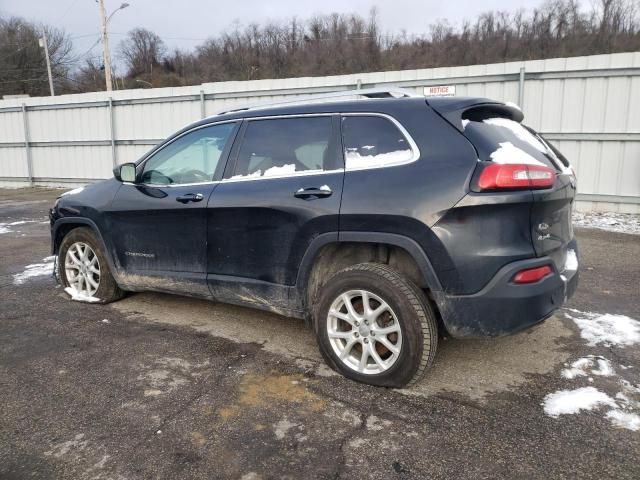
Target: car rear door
[[281, 190]]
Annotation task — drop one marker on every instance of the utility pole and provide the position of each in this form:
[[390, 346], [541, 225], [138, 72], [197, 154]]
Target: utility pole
[[105, 45], [104, 22], [43, 43]]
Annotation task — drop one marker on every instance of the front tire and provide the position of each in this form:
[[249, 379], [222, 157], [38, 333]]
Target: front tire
[[375, 326], [83, 269]]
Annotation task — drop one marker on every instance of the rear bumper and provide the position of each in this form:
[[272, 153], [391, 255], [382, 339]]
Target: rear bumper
[[502, 307]]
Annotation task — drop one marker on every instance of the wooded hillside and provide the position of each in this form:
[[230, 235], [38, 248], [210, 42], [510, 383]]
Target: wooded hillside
[[321, 45]]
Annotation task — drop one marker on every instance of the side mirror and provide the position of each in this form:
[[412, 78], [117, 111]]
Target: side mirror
[[125, 172]]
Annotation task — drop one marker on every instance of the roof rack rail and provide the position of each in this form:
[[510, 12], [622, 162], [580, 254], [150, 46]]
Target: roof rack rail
[[389, 92]]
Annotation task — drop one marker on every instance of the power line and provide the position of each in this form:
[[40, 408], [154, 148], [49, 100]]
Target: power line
[[95, 44], [84, 35], [71, 5]]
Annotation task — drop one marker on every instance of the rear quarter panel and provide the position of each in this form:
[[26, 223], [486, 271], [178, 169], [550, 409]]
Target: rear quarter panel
[[409, 199]]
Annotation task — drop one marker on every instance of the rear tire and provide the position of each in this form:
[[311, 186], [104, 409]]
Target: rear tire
[[398, 331], [97, 284]]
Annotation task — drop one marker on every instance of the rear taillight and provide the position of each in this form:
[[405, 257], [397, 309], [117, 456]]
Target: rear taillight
[[507, 176], [532, 275]]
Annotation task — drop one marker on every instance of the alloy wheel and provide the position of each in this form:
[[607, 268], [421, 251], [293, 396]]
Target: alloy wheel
[[364, 332], [82, 269]]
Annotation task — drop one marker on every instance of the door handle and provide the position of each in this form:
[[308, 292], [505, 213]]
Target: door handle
[[313, 192], [190, 197]]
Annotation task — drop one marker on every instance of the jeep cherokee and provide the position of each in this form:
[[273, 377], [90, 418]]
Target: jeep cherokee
[[384, 221]]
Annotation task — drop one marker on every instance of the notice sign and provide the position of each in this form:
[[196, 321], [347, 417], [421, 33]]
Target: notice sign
[[440, 91]]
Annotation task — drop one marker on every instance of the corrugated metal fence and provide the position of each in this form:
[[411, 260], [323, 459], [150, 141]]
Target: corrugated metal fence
[[589, 107]]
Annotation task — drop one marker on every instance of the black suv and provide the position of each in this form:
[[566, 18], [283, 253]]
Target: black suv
[[383, 221]]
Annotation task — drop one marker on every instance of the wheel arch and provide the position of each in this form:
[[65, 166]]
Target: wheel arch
[[319, 261], [63, 226]]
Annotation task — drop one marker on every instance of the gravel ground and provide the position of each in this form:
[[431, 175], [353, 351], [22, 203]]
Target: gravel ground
[[160, 386]]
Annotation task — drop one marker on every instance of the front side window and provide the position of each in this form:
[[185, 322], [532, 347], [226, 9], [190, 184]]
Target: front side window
[[371, 141], [192, 158], [283, 146]]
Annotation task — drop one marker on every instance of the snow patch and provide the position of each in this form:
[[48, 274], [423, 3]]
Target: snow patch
[[519, 131], [622, 419], [35, 270], [611, 222], [605, 329], [276, 171], [283, 170], [256, 174], [72, 192], [566, 402], [79, 296], [571, 262], [465, 122], [509, 153], [629, 387], [622, 410], [5, 227], [589, 365], [355, 160]]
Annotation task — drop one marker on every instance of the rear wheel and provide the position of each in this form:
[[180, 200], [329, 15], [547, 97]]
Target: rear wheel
[[83, 268], [375, 326]]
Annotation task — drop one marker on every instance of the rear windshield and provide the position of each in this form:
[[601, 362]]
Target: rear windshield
[[502, 140]]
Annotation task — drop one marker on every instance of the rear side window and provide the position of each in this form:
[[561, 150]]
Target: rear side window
[[503, 140], [372, 141], [283, 146]]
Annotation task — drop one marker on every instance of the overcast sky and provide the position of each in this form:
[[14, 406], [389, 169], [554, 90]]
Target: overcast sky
[[186, 23]]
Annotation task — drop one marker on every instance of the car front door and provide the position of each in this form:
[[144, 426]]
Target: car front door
[[281, 190], [158, 225]]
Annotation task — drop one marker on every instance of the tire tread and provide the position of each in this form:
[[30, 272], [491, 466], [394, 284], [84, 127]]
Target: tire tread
[[419, 303]]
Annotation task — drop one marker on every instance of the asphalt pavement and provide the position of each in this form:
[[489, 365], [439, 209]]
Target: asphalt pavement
[[159, 386]]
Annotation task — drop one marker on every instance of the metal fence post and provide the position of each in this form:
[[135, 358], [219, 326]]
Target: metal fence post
[[27, 147], [203, 111], [112, 133], [521, 89]]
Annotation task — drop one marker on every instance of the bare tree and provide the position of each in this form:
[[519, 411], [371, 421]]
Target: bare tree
[[325, 45], [22, 63], [142, 51]]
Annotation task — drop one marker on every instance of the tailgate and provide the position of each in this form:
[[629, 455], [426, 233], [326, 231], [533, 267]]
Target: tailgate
[[551, 225], [498, 135]]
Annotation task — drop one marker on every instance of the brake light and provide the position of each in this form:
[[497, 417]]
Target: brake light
[[508, 176], [532, 275]]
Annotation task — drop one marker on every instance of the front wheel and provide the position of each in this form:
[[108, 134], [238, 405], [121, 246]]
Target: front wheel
[[83, 268], [375, 326]]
